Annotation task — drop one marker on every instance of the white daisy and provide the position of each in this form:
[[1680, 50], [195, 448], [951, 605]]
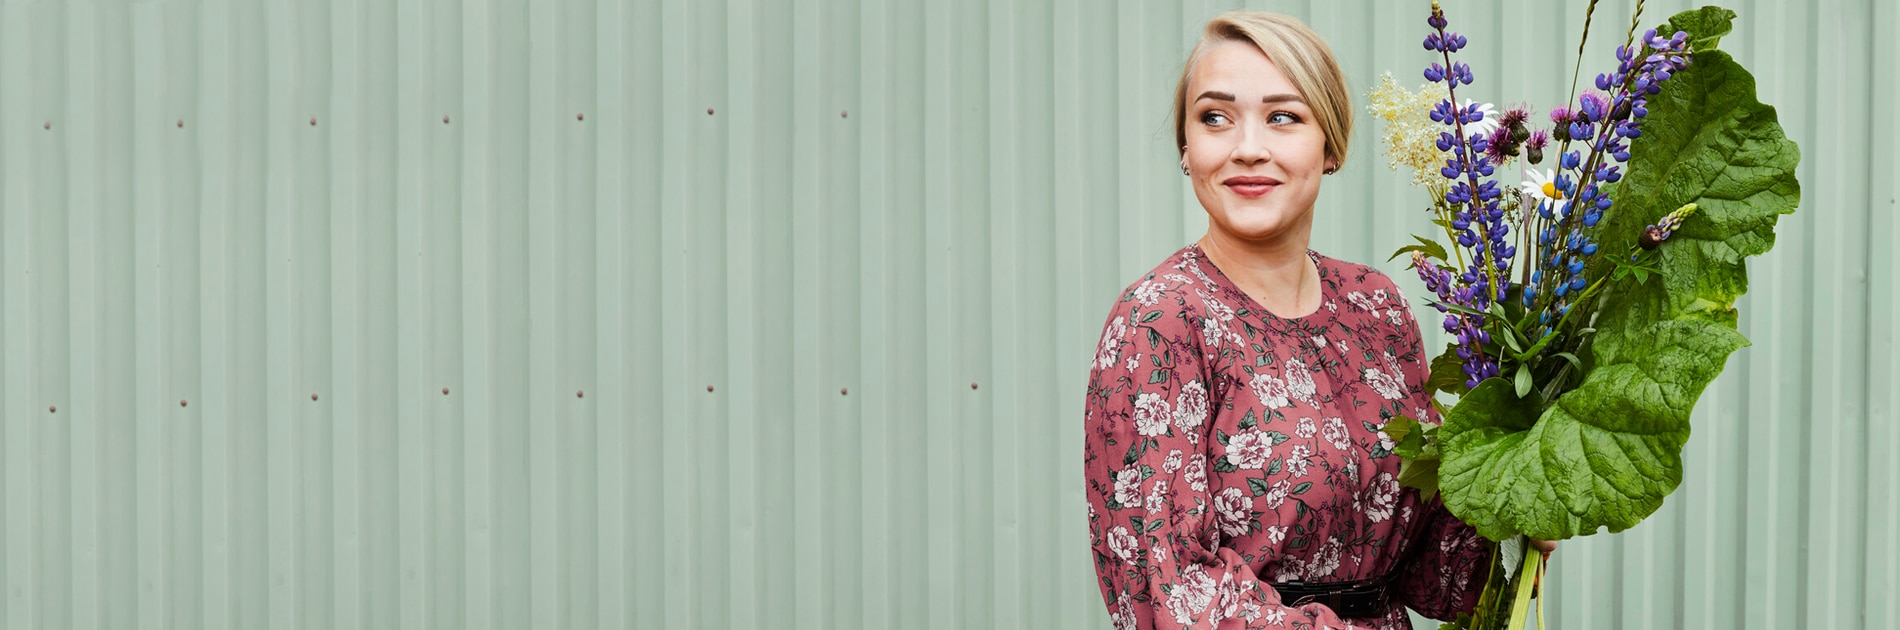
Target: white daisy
[[1542, 185]]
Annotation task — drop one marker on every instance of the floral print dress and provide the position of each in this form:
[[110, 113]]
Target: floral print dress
[[1228, 449]]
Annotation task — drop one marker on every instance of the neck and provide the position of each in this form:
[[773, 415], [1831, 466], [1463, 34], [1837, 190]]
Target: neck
[[1278, 275]]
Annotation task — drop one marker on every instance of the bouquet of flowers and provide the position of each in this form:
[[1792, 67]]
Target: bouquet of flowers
[[1576, 365]]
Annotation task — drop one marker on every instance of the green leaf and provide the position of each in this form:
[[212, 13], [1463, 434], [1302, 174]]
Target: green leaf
[[1509, 337], [1302, 488], [1157, 523], [1527, 355], [1221, 464], [1158, 376], [1134, 452], [1277, 437], [1606, 454], [1247, 421], [1421, 474], [1151, 316], [1705, 26], [1523, 380], [1574, 361], [1431, 249], [1399, 428], [1154, 339], [1448, 373], [1258, 485]]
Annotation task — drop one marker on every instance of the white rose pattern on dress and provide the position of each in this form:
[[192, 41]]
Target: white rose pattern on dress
[[1158, 498], [1196, 472], [1278, 493], [1191, 595], [1233, 510], [1388, 386], [1325, 561], [1296, 460], [1385, 497], [1151, 415], [1149, 292], [1172, 463], [1124, 615], [1358, 299], [1123, 543], [1306, 429], [1299, 382], [1270, 390], [1111, 343], [1335, 434], [1190, 410], [1249, 449], [1128, 487]]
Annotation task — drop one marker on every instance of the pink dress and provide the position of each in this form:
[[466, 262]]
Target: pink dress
[[1228, 449]]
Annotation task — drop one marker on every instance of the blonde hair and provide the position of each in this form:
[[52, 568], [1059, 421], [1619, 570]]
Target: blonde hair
[[1299, 52]]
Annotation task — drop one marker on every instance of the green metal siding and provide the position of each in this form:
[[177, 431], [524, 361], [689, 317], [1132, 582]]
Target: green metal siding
[[500, 314]]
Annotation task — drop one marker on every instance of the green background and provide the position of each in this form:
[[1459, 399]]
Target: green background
[[716, 217]]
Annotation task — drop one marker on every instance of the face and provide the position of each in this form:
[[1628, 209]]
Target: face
[[1255, 152]]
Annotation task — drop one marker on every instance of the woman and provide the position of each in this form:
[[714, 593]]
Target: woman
[[1237, 475]]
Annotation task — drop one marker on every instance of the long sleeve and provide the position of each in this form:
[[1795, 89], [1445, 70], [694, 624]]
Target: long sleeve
[[1449, 572], [1449, 566], [1154, 525]]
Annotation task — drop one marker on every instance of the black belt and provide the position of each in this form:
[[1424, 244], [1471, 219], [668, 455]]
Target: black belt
[[1355, 599]]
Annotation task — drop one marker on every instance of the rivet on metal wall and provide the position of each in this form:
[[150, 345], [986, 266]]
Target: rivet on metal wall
[[445, 120], [445, 391], [53, 409], [581, 116], [709, 389], [181, 403], [844, 391], [181, 123], [580, 394], [709, 111], [972, 384], [49, 125], [313, 121], [313, 397], [844, 114]]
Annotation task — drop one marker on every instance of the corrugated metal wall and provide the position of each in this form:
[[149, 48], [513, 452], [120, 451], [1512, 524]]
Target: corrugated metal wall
[[759, 314]]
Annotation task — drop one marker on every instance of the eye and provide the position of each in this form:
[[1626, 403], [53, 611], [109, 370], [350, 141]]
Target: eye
[[1213, 119], [1283, 118]]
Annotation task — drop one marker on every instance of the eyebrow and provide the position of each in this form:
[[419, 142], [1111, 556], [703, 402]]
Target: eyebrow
[[1268, 99]]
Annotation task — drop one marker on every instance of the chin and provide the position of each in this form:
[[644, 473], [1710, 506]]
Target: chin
[[1258, 224]]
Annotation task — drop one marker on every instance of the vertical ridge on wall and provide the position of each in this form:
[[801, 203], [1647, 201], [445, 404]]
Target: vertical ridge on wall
[[494, 314]]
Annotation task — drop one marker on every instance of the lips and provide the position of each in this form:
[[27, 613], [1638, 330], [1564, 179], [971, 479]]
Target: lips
[[1251, 186]]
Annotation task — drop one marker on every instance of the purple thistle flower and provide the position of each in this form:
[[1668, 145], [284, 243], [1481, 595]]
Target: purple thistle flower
[[1498, 147], [1534, 146]]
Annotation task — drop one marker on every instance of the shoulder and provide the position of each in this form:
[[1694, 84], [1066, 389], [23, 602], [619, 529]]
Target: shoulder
[[1371, 293], [1354, 276], [1174, 294]]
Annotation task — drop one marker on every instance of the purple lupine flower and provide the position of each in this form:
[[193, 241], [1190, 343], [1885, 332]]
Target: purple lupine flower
[[1478, 223], [1654, 235], [1605, 122]]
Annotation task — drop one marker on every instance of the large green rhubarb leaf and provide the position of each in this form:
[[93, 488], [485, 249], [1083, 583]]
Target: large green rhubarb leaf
[[1606, 453]]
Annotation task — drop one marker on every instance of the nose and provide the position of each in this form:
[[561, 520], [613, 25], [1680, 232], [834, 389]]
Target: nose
[[1252, 149]]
